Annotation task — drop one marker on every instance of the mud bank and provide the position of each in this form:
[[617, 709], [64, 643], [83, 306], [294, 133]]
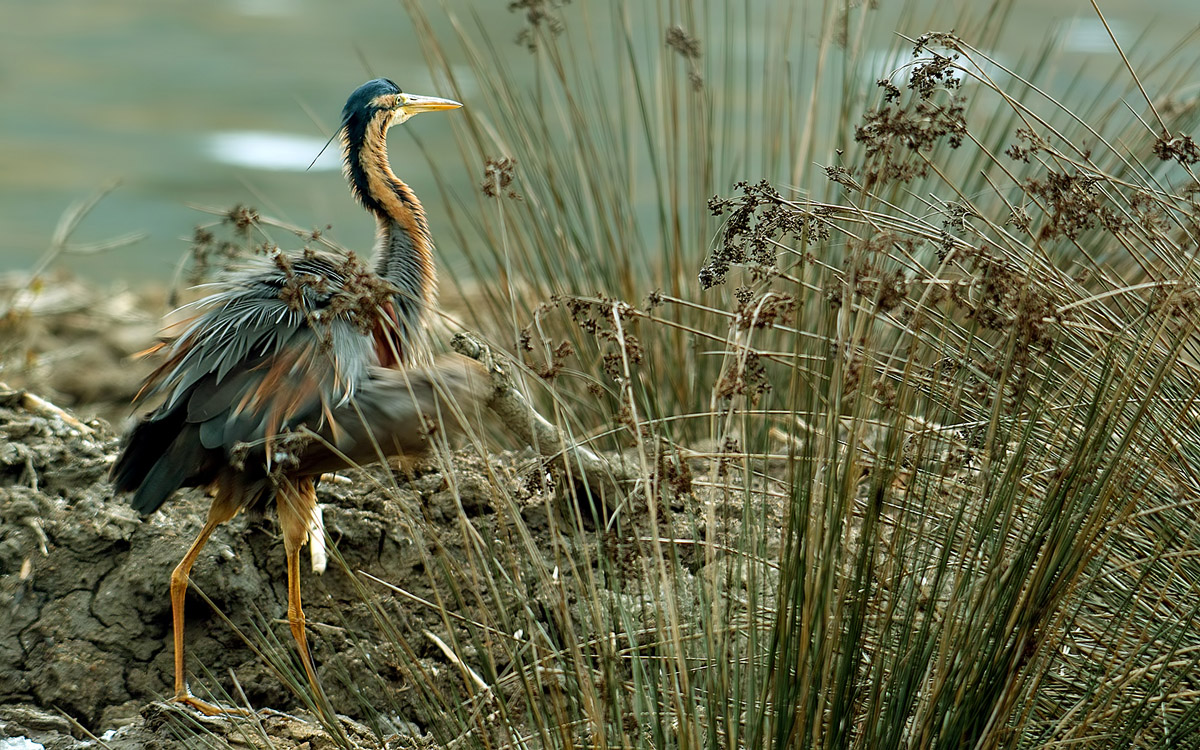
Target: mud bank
[[85, 636]]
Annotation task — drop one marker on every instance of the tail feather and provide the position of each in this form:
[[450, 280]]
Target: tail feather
[[162, 453], [143, 447], [164, 477]]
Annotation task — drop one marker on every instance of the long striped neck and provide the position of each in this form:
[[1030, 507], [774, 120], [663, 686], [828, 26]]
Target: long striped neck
[[404, 248]]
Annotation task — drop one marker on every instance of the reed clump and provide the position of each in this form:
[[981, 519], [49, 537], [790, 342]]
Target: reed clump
[[903, 350]]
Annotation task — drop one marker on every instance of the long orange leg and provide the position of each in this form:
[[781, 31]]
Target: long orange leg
[[222, 509], [296, 503]]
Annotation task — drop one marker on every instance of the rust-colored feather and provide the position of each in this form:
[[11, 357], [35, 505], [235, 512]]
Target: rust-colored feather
[[386, 333]]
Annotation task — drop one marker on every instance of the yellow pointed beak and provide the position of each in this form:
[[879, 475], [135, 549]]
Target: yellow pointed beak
[[414, 104]]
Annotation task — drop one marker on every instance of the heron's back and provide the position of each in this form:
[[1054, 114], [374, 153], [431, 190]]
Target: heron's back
[[284, 348]]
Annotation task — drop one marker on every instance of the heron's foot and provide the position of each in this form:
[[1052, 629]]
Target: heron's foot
[[208, 709]]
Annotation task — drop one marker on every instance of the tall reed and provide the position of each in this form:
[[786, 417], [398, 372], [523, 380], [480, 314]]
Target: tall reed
[[904, 347]]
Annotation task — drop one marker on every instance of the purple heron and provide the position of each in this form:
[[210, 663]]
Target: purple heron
[[302, 365]]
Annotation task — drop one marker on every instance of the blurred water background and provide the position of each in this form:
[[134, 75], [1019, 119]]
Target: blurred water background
[[227, 102]]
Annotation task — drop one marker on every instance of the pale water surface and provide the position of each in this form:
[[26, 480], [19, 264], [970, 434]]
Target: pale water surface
[[208, 103]]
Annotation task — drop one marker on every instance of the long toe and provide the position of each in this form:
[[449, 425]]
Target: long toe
[[206, 708]]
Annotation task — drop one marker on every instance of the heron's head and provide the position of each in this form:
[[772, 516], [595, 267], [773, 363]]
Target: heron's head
[[382, 103]]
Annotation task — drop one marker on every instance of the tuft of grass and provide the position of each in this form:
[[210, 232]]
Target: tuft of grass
[[905, 352]]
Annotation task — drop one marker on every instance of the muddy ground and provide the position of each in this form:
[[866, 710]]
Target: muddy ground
[[75, 344], [85, 641]]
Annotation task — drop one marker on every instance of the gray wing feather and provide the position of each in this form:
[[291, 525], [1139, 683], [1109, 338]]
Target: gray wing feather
[[248, 362]]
